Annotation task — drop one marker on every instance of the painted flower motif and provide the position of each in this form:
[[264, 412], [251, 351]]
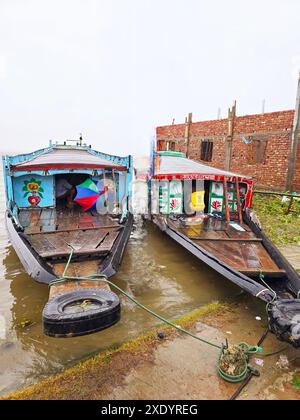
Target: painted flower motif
[[34, 191], [217, 205], [33, 186], [173, 204]]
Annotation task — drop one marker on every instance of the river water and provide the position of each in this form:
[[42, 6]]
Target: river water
[[155, 270]]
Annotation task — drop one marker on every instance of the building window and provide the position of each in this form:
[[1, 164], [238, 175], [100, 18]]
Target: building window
[[171, 146], [161, 145], [207, 150], [257, 151]]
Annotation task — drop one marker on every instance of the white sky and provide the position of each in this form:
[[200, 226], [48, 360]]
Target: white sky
[[115, 69]]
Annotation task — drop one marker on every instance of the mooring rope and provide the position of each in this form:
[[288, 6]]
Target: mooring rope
[[247, 349]]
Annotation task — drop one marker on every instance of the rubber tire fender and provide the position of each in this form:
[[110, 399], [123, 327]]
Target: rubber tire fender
[[58, 323]]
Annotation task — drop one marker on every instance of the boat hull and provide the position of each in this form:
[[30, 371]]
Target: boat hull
[[34, 266]]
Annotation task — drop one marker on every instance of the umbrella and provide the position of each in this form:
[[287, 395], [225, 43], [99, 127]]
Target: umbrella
[[88, 194]]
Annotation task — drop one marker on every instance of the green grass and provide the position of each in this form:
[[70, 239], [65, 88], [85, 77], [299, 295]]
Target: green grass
[[296, 382], [282, 228]]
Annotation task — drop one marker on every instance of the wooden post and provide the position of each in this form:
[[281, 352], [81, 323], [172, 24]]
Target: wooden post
[[188, 122], [116, 205], [289, 210], [229, 139], [294, 143], [105, 191], [238, 197], [227, 213]]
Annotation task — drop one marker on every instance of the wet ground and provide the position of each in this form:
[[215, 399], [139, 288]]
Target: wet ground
[[183, 368], [166, 364]]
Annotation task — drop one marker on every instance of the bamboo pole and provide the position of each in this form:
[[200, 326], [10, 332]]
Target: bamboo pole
[[105, 188], [227, 214], [238, 197], [277, 193]]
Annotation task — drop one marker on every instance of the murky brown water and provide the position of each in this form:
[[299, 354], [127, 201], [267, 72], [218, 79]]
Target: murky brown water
[[157, 271]]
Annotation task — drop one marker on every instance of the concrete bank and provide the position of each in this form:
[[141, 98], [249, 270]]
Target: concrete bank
[[177, 366], [292, 254]]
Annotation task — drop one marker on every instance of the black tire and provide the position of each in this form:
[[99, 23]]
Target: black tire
[[65, 316], [285, 320]]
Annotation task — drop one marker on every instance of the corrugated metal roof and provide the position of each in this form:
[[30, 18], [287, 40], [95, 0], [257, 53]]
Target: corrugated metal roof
[[66, 159], [173, 165]]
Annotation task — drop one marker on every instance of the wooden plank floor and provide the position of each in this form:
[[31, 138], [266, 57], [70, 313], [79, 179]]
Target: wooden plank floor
[[53, 233], [243, 251], [59, 244], [52, 220]]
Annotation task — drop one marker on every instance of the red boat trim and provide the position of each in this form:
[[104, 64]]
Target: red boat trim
[[199, 177]]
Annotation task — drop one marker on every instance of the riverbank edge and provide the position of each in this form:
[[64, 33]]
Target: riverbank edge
[[82, 380]]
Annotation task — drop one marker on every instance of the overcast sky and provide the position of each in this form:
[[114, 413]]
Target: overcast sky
[[116, 69]]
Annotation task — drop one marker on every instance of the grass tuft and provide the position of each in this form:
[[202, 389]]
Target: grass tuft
[[281, 228]]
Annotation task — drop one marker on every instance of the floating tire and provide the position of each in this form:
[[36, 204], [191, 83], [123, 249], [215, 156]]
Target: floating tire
[[81, 312], [285, 320]]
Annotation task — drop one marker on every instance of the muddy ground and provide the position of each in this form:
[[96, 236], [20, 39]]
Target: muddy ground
[[179, 367]]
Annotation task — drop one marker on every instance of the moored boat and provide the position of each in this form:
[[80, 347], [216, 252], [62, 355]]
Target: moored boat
[[70, 199], [208, 212]]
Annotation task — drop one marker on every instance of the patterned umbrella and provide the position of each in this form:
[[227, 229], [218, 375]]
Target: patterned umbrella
[[87, 194]]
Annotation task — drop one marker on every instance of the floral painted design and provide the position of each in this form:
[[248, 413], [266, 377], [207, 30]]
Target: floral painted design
[[34, 191], [217, 205], [174, 204]]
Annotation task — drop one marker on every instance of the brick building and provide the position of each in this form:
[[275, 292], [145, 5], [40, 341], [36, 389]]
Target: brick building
[[257, 145]]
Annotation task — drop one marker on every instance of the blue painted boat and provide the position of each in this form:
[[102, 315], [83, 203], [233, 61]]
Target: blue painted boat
[[45, 225]]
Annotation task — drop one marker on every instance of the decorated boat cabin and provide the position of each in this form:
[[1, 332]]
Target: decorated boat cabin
[[49, 179], [204, 209], [185, 187]]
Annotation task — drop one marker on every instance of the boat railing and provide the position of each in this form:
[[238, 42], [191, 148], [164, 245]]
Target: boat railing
[[13, 212]]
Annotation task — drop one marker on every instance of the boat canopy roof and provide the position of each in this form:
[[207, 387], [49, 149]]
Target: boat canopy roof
[[66, 158], [173, 165]]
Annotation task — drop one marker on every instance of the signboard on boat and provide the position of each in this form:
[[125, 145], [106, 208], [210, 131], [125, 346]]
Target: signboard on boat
[[171, 197], [32, 191]]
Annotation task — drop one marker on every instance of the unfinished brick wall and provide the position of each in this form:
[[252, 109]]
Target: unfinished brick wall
[[271, 131]]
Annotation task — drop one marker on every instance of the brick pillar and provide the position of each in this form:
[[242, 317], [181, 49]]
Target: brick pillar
[[229, 139]]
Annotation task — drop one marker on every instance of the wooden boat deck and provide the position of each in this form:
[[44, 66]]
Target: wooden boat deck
[[61, 220], [243, 251], [53, 233], [76, 269]]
